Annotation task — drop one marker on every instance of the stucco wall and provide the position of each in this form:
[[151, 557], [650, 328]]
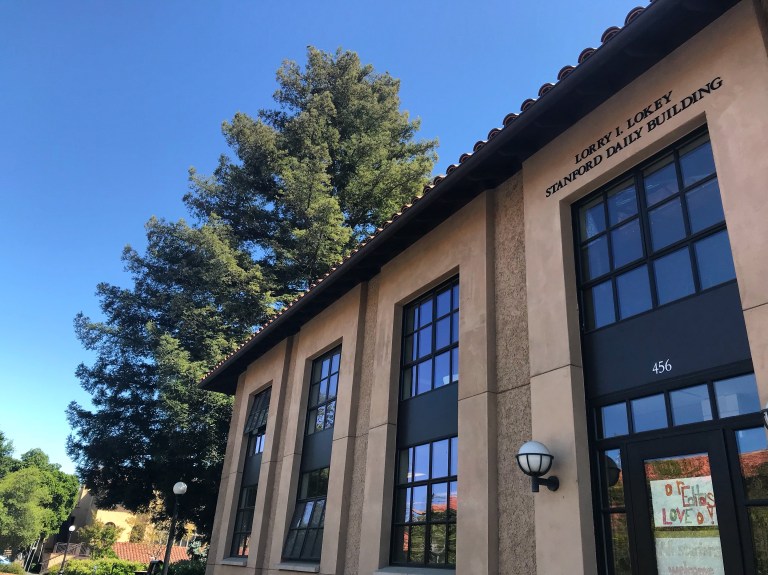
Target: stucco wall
[[517, 548], [732, 49]]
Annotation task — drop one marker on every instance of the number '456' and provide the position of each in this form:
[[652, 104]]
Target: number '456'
[[661, 367]]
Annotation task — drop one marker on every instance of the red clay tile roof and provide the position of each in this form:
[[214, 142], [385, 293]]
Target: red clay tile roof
[[144, 552], [566, 71]]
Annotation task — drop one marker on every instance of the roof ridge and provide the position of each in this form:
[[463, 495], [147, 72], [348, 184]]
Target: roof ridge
[[609, 33]]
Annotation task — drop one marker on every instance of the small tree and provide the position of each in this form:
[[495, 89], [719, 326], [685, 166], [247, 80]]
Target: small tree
[[100, 537], [22, 514]]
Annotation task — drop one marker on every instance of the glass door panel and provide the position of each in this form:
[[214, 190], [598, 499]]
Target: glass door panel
[[685, 528], [682, 506]]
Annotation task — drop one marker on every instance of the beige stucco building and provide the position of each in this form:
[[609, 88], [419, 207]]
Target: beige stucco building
[[594, 277]]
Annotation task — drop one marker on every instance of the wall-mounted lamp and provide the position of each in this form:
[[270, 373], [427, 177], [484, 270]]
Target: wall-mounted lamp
[[765, 416], [535, 460]]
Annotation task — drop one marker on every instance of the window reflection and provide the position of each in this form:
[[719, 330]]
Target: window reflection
[[690, 405], [753, 456], [649, 413], [737, 395], [613, 478], [669, 205]]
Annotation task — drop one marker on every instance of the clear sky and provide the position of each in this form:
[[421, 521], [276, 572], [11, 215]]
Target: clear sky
[[105, 105]]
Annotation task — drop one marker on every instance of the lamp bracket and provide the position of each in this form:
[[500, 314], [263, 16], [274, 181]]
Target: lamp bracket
[[552, 483]]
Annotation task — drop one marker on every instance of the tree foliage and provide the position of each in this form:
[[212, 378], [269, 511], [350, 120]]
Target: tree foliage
[[100, 537], [35, 497], [307, 179]]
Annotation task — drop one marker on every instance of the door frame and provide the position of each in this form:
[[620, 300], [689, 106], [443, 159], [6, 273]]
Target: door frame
[[640, 520]]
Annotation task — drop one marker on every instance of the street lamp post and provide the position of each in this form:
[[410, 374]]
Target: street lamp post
[[179, 488], [66, 549]]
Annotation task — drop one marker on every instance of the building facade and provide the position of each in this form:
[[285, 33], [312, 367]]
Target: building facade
[[592, 277]]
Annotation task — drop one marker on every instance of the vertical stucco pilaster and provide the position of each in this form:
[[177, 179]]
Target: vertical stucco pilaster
[[738, 143], [517, 546], [342, 455], [269, 463], [355, 503], [558, 410], [477, 534]]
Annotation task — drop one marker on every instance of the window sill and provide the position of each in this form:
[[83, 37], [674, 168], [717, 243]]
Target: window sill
[[238, 561], [413, 571], [299, 567]]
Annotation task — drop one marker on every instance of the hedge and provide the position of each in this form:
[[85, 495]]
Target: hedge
[[103, 567], [16, 568], [187, 567]]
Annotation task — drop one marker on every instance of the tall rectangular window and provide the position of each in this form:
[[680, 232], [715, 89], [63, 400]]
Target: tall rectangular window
[[305, 533], [653, 238], [305, 536], [426, 494], [255, 432]]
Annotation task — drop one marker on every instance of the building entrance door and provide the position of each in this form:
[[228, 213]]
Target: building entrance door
[[684, 517]]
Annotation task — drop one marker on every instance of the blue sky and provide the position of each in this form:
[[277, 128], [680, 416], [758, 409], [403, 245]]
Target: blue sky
[[105, 105]]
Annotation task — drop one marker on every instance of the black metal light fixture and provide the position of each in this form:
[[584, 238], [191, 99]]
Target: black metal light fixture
[[612, 471], [71, 530], [179, 488], [535, 460], [765, 416]]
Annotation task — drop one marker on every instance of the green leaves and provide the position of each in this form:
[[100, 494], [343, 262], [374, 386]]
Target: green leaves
[[320, 172], [35, 498]]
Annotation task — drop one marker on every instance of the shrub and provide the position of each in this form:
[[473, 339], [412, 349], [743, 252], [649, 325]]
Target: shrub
[[187, 567], [103, 567], [16, 568]]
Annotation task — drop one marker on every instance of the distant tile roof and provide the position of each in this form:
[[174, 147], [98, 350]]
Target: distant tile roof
[[144, 552]]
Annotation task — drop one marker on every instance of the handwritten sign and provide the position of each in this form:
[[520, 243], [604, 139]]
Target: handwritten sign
[[689, 556], [642, 122], [683, 502]]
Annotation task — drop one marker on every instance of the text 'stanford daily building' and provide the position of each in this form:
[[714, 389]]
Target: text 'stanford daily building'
[[593, 277]]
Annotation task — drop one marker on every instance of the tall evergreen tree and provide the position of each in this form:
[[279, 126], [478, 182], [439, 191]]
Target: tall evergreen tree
[[319, 172], [309, 178]]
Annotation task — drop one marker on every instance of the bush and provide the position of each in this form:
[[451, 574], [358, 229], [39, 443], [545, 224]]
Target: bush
[[16, 568], [103, 567], [187, 567]]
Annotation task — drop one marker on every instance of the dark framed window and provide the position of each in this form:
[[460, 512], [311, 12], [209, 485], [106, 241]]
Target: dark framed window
[[426, 494], [304, 541], [243, 521], [255, 431], [430, 357], [653, 237], [324, 384], [256, 425], [305, 534], [424, 526], [702, 402], [729, 404]]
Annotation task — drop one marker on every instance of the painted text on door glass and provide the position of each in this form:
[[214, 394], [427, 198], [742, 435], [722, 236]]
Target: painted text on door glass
[[684, 511]]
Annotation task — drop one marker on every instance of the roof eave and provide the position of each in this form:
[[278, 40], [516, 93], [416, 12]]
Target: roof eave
[[657, 31]]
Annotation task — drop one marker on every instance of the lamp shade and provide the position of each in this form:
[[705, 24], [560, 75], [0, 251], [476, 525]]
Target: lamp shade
[[71, 528], [180, 488], [534, 458], [765, 416]]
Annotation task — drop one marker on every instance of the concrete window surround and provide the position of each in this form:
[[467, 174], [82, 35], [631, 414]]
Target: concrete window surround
[[413, 571], [299, 567]]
